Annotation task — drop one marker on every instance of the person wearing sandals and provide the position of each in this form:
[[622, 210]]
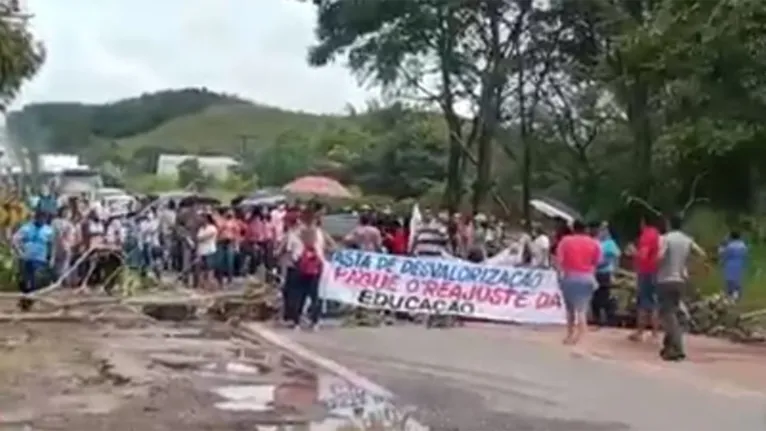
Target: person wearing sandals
[[577, 257]]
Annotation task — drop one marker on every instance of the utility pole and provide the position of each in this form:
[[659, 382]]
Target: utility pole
[[244, 139]]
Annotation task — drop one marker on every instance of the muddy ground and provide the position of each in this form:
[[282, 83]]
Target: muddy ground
[[163, 376]]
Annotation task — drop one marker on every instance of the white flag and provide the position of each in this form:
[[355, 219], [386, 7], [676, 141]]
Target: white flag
[[416, 221]]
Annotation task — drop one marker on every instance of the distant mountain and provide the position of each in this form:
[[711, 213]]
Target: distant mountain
[[72, 127]]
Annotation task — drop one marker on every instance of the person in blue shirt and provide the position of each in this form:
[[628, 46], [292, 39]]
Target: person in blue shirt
[[602, 306], [33, 242], [733, 257]]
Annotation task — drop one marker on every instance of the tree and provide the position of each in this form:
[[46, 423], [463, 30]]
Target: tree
[[404, 156], [21, 56], [240, 180], [190, 173], [434, 53]]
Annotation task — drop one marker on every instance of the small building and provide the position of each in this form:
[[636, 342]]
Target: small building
[[216, 166]]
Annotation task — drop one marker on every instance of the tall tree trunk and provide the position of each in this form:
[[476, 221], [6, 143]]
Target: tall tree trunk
[[526, 163], [639, 119], [489, 109], [454, 189]]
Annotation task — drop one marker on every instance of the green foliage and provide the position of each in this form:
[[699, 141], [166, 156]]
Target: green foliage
[[151, 183], [387, 150], [190, 174], [20, 55], [240, 181]]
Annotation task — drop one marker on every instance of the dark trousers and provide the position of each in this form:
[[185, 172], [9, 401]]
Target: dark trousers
[[177, 255], [103, 266], [288, 294], [601, 304], [300, 288], [28, 280], [255, 255], [669, 297]]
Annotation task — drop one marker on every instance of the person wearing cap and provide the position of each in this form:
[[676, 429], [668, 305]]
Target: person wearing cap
[[33, 242]]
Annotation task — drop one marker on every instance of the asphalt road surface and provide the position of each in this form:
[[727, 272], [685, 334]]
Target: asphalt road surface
[[471, 379]]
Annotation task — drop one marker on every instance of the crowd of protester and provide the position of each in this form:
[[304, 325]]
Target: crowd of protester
[[210, 247]]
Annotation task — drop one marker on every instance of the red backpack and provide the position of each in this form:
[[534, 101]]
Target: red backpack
[[310, 263]]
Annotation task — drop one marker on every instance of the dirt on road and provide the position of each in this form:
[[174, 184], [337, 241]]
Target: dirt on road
[[164, 376]]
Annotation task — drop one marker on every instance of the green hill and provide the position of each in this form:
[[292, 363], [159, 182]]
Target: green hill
[[387, 150], [222, 130], [74, 127]]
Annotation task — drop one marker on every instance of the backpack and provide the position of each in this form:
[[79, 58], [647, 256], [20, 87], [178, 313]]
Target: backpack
[[310, 263]]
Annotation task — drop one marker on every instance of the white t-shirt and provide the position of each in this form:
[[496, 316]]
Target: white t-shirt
[[148, 230], [540, 250], [167, 219], [207, 239]]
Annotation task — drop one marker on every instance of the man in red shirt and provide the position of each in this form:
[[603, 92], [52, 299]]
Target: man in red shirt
[[646, 260]]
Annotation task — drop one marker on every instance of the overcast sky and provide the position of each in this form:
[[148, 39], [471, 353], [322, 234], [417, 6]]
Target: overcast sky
[[102, 50]]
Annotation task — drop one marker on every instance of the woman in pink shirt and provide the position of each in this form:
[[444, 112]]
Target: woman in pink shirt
[[577, 256], [258, 235]]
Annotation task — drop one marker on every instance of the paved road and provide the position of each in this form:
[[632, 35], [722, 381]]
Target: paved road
[[471, 379]]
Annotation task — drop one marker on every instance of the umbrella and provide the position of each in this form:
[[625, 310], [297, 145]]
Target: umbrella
[[317, 186], [174, 196], [199, 200], [264, 197], [553, 208]]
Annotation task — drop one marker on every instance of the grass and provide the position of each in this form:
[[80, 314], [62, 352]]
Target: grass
[[219, 130], [709, 229], [710, 280]]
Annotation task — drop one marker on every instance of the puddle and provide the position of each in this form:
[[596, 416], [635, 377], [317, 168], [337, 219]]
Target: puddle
[[343, 405], [265, 389]]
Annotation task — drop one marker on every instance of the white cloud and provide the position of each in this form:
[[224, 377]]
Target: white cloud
[[102, 50]]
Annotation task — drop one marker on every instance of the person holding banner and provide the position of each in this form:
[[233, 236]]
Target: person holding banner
[[431, 240], [577, 256]]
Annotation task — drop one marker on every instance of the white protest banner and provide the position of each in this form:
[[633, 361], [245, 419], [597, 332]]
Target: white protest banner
[[432, 285]]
